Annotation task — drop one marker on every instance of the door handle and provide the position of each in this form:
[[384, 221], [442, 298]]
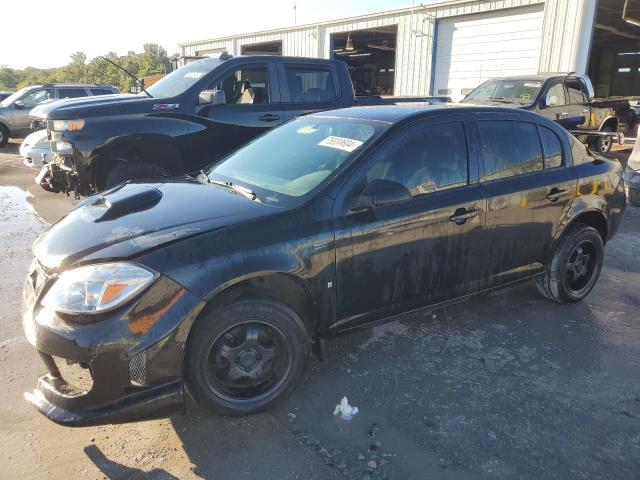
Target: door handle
[[461, 215], [268, 117], [555, 194]]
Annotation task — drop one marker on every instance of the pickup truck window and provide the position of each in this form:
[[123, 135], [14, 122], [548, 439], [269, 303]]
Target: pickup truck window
[[508, 91], [510, 149], [245, 86], [557, 90], [552, 148], [295, 158], [309, 85], [576, 93], [180, 80], [440, 166]]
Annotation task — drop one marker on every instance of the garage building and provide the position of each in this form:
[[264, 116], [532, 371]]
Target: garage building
[[451, 47]]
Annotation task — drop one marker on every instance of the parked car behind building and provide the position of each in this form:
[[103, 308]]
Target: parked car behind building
[[15, 121], [336, 220]]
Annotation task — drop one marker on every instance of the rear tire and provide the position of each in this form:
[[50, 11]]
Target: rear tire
[[244, 357], [132, 171], [575, 266], [4, 135]]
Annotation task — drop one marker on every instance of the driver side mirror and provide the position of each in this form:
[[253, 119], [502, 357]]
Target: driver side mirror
[[212, 98], [19, 104], [380, 193], [550, 100]]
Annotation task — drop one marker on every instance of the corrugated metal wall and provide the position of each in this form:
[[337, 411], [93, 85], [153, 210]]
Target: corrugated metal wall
[[563, 31]]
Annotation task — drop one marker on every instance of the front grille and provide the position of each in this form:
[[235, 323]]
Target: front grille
[[76, 376], [137, 368]]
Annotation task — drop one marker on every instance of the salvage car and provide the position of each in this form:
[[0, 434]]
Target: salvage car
[[567, 99], [226, 281], [36, 149], [15, 121], [191, 117]]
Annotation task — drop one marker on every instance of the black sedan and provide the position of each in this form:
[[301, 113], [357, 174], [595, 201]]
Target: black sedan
[[222, 283]]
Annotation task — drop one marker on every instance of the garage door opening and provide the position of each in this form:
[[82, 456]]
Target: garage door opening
[[371, 57], [614, 63], [471, 49], [266, 48]]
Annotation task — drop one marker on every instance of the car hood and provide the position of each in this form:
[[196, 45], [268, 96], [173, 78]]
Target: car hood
[[136, 217], [84, 107]]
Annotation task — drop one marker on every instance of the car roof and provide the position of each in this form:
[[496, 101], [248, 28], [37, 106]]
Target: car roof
[[398, 113]]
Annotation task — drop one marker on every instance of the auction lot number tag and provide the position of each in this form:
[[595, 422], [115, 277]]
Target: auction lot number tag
[[341, 143]]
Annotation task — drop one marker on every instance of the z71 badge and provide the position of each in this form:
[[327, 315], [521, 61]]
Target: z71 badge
[[166, 106]]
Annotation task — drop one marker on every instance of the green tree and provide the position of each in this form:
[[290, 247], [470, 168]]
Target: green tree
[[154, 60], [76, 71]]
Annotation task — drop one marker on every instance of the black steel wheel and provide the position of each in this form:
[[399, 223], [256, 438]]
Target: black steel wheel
[[575, 265], [604, 144], [244, 357]]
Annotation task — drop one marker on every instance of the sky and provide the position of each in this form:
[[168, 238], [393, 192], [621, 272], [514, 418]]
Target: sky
[[43, 34]]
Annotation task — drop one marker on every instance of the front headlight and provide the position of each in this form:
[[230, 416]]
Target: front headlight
[[68, 125], [97, 288]]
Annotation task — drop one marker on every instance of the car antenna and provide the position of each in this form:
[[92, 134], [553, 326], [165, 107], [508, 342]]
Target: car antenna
[[139, 82]]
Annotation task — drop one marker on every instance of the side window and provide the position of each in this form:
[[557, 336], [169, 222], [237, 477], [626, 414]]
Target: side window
[[509, 149], [576, 93], [72, 92], [426, 160], [37, 97], [101, 91], [552, 148], [246, 86], [309, 85], [557, 91]]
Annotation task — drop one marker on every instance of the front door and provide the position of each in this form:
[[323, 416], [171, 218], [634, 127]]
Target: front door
[[252, 107], [400, 257], [20, 116]]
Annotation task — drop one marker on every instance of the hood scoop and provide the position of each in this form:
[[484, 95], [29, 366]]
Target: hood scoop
[[126, 200]]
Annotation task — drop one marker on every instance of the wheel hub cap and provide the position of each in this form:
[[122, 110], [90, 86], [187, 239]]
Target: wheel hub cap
[[247, 359]]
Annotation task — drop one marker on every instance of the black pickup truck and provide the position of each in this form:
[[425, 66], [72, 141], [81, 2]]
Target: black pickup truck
[[566, 98], [190, 118]]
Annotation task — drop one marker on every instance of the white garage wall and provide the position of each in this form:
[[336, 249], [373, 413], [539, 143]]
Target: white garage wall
[[473, 48], [414, 59]]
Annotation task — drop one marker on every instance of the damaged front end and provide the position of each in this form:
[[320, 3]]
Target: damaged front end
[[60, 175], [121, 365]]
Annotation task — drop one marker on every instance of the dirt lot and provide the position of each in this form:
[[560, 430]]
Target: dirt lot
[[507, 385]]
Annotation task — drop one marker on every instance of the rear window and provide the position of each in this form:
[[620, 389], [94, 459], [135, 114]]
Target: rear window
[[552, 148], [510, 148], [310, 85]]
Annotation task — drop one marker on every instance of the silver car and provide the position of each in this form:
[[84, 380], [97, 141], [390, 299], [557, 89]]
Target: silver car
[[14, 110], [35, 149]]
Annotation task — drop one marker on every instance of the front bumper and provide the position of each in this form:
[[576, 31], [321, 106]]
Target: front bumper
[[134, 356]]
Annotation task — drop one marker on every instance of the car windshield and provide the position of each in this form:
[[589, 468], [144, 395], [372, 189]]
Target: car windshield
[[295, 158], [180, 80], [518, 91], [13, 97]]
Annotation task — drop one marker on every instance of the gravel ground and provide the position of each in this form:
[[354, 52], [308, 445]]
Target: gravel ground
[[506, 385]]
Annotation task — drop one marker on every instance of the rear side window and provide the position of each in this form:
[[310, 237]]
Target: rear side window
[[310, 85], [552, 148], [576, 93], [72, 93], [509, 149], [101, 91], [425, 160]]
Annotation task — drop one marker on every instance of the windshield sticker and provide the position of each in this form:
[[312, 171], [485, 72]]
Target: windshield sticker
[[166, 106], [193, 74], [532, 84], [341, 143]]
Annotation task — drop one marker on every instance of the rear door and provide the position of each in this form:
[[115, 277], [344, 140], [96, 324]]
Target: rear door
[[252, 107], [525, 201], [308, 87], [400, 257]]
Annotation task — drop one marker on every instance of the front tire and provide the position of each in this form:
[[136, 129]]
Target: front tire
[[132, 171], [4, 135], [244, 357], [575, 266]]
